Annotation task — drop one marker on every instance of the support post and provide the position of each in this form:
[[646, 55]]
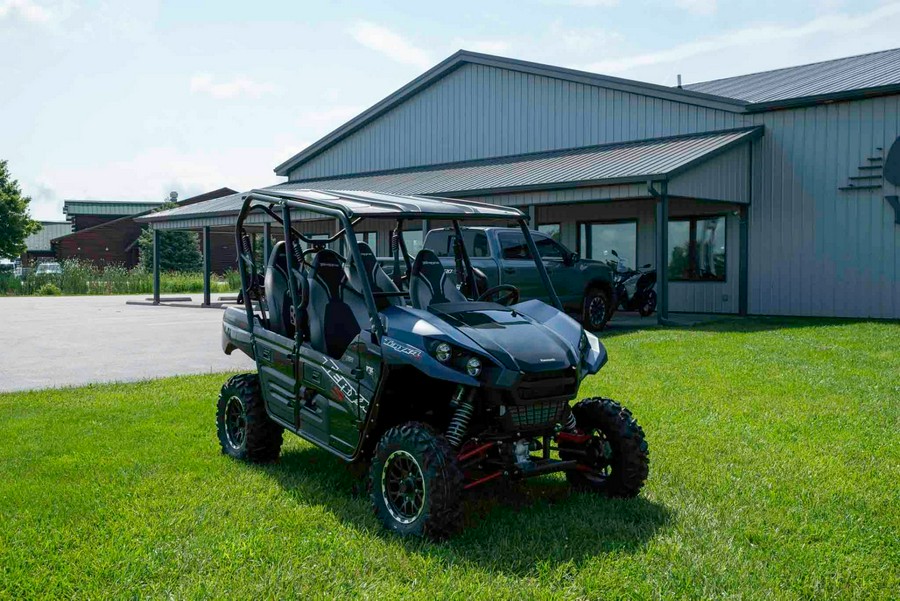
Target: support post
[[744, 258], [532, 217], [155, 266], [267, 242], [207, 265], [662, 253]]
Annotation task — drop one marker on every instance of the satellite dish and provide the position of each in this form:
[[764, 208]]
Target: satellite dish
[[892, 164]]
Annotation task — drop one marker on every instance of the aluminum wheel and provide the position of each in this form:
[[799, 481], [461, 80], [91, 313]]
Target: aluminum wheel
[[235, 422], [403, 487]]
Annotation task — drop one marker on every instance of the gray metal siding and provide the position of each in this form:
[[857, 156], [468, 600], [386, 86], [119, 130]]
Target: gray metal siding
[[479, 112], [814, 249], [723, 178]]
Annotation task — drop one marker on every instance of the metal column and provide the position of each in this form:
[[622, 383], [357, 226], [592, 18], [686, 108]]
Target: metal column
[[744, 258], [207, 265], [267, 242], [155, 266], [662, 253]]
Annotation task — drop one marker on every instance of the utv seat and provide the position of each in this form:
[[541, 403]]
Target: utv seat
[[332, 306], [278, 297], [429, 283], [378, 279]]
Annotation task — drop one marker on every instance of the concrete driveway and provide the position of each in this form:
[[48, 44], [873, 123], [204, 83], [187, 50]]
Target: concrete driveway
[[64, 341]]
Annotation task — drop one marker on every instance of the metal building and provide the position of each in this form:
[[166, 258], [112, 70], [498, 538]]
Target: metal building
[[772, 193]]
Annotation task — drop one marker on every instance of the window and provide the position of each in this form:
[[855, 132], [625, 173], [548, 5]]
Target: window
[[513, 247], [598, 240], [550, 229], [441, 242], [697, 249], [370, 238], [413, 241], [548, 248]]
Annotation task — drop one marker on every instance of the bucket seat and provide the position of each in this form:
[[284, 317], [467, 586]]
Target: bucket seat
[[429, 283], [332, 306], [278, 296], [378, 279]]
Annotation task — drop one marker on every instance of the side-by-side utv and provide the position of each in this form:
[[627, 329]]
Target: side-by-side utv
[[435, 385]]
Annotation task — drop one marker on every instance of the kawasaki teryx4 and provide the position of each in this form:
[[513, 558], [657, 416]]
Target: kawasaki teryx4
[[434, 384]]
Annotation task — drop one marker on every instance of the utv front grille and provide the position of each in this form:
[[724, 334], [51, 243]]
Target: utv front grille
[[556, 384], [542, 414]]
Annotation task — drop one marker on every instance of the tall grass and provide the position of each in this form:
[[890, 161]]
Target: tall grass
[[84, 278]]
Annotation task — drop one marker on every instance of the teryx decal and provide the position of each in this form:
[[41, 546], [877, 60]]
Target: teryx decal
[[403, 349]]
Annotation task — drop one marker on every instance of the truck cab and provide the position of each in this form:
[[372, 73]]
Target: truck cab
[[501, 256]]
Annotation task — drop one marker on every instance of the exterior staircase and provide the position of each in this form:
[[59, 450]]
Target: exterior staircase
[[870, 174]]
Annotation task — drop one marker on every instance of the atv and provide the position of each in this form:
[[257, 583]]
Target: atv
[[429, 383]]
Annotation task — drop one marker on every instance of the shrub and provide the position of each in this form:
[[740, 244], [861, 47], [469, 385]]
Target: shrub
[[49, 289], [10, 284]]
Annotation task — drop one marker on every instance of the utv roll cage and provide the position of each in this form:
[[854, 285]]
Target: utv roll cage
[[349, 209]]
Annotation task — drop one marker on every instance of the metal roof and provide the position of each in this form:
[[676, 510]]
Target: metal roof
[[108, 207], [656, 159], [854, 73], [40, 241], [352, 204]]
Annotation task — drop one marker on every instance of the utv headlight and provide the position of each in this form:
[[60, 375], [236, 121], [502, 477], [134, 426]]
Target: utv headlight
[[442, 352], [473, 367], [583, 344]]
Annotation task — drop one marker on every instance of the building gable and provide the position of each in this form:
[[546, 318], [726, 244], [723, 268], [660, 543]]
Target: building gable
[[484, 109]]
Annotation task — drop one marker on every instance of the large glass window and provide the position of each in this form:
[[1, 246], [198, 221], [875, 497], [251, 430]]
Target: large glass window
[[598, 240], [413, 241], [697, 249], [370, 238]]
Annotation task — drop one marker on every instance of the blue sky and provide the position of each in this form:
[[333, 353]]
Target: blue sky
[[128, 100]]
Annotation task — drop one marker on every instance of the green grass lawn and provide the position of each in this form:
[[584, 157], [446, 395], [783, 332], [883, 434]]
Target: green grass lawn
[[775, 474]]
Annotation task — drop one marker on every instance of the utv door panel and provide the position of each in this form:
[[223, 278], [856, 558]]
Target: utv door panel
[[275, 360]]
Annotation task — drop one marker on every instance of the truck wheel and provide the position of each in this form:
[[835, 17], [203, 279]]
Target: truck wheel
[[245, 430], [415, 482], [615, 460], [597, 309]]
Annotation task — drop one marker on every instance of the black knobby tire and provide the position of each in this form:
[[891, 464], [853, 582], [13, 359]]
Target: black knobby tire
[[244, 428], [420, 449], [597, 309], [627, 457], [649, 305]]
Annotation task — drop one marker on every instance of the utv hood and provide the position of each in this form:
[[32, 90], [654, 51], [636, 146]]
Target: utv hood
[[513, 339]]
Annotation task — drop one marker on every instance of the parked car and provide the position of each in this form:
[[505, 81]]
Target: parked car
[[432, 392], [48, 269]]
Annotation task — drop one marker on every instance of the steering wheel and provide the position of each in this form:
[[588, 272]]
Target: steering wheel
[[511, 296]]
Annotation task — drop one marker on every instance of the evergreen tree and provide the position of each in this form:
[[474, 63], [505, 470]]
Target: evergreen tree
[[15, 222], [178, 250]]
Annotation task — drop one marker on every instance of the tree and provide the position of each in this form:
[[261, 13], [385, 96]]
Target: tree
[[178, 250], [16, 223]]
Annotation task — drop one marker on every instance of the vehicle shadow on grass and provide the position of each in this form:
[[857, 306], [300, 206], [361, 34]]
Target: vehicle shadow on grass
[[516, 528]]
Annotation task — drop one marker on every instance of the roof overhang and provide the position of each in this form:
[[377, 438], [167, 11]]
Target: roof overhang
[[650, 160]]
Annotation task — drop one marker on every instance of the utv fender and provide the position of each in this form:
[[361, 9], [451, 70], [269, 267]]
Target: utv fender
[[394, 352]]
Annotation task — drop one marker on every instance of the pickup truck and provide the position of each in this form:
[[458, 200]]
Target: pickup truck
[[584, 287]]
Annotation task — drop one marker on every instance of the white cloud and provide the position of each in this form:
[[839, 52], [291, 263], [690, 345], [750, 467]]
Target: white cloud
[[392, 45], [239, 86], [762, 47], [25, 10], [697, 7], [328, 118], [583, 41], [585, 3], [486, 46]]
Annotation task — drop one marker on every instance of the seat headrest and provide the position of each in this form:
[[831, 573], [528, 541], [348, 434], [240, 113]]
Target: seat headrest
[[328, 271], [368, 258], [278, 252], [428, 267]]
